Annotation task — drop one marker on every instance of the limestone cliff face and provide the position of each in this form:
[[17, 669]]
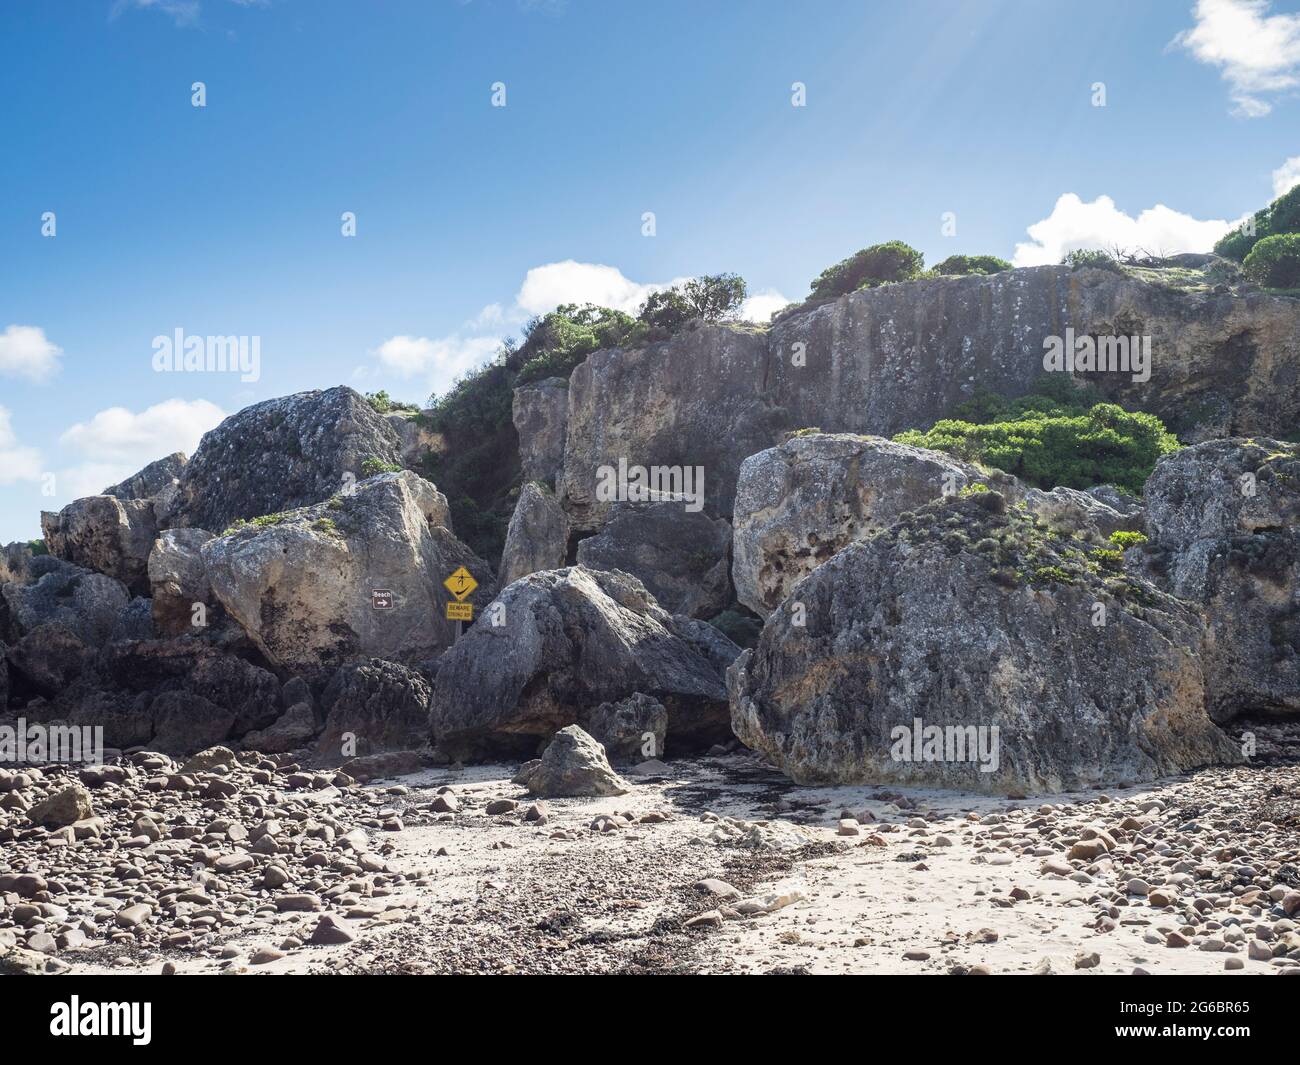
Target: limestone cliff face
[[902, 356]]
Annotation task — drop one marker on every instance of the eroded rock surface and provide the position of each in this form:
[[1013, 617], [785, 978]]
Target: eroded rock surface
[[966, 618]]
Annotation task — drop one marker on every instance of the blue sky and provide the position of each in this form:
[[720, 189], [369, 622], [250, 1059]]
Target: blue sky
[[225, 219]]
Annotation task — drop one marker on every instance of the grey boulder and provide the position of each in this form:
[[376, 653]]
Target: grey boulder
[[360, 576], [280, 455], [681, 556], [1222, 520], [538, 535], [573, 764], [968, 647], [560, 641]]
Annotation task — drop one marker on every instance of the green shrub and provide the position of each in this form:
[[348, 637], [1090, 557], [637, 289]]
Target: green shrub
[[1274, 262], [1093, 258], [372, 465], [1279, 218], [383, 403], [972, 264], [1046, 443], [38, 547], [1124, 540], [713, 298], [556, 342], [876, 265]]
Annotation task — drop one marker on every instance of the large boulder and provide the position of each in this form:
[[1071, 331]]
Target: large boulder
[[359, 576], [538, 535], [800, 503], [969, 647], [681, 556], [564, 640], [540, 413], [282, 454], [1224, 523], [158, 477], [573, 764], [371, 707], [87, 604], [105, 534], [178, 580]]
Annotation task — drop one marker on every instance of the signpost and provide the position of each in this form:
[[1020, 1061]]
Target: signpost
[[461, 585]]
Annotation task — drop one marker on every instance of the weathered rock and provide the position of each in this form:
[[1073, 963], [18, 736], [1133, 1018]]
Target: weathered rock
[[800, 503], [903, 356], [87, 604], [574, 764], [681, 556], [575, 638], [382, 705], [540, 413], [105, 534], [64, 807], [50, 657], [178, 580], [631, 729], [696, 400], [1224, 522], [414, 440], [538, 536], [193, 694], [134, 621], [291, 730], [282, 454], [155, 478], [14, 560], [305, 588], [1086, 513], [966, 618]]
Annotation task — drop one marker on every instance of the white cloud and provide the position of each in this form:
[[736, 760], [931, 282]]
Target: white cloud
[[16, 463], [546, 287], [25, 352], [1074, 224], [442, 359], [91, 478], [117, 435], [1287, 176], [762, 305], [1257, 53]]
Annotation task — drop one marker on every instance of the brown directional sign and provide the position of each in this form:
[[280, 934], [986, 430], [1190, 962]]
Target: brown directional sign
[[381, 599]]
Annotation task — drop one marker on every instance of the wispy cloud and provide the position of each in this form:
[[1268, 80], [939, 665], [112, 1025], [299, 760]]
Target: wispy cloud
[[120, 435], [1257, 53], [1287, 176]]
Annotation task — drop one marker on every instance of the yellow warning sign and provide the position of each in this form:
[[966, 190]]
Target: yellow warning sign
[[460, 584], [460, 611]]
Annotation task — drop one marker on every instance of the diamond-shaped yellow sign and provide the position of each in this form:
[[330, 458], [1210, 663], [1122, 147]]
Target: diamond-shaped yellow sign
[[461, 584]]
